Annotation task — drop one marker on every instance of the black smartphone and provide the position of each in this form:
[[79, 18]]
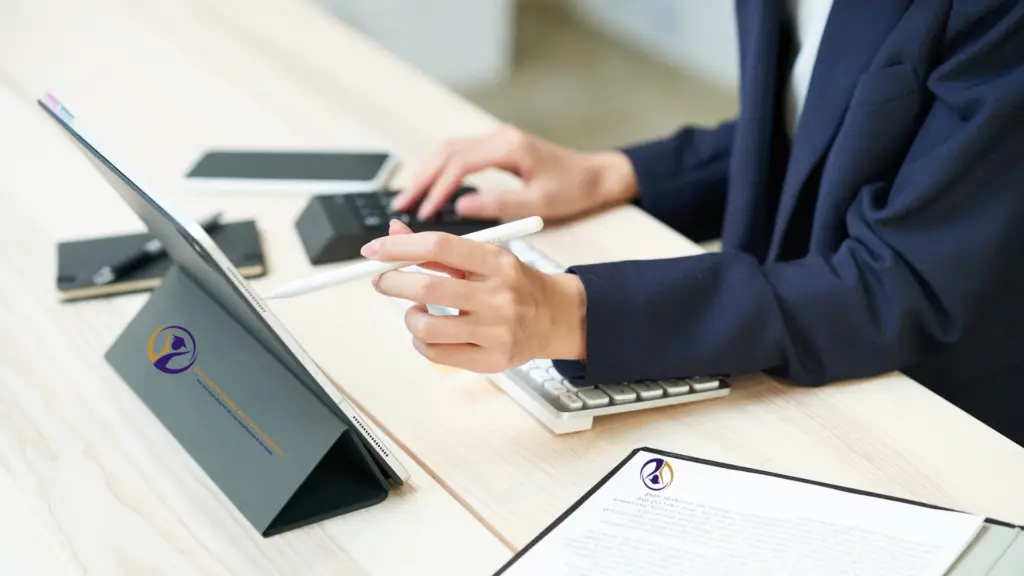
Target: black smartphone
[[301, 171]]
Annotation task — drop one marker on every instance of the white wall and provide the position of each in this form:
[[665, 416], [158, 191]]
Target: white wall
[[469, 43], [698, 36], [463, 43]]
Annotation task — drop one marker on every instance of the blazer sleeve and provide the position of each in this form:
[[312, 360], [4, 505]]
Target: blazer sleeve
[[920, 254], [683, 178]]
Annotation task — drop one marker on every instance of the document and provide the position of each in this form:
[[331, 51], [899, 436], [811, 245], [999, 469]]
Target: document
[[663, 515]]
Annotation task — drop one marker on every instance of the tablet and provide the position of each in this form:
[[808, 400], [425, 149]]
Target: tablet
[[191, 248]]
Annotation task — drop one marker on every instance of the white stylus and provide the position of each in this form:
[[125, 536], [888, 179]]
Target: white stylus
[[495, 235]]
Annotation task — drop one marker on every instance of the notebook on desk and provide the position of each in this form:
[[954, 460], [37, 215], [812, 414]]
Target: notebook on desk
[[78, 260], [664, 513]]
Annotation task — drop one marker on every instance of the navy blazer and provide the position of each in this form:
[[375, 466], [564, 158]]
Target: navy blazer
[[888, 236]]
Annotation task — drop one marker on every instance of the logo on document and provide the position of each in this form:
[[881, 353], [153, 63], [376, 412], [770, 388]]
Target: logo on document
[[172, 350], [657, 474]]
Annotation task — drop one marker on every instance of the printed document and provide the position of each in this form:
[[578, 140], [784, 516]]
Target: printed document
[[663, 515]]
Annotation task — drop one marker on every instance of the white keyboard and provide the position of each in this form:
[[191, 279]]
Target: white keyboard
[[566, 405]]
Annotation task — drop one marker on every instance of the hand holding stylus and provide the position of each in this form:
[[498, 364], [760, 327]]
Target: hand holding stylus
[[494, 235], [509, 312]]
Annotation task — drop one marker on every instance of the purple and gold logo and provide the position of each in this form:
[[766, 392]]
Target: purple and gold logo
[[172, 349], [657, 474]]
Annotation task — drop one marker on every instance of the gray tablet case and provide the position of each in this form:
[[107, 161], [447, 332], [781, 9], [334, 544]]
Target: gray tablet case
[[997, 550], [272, 447]]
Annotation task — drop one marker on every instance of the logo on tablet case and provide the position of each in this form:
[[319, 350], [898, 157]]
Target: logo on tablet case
[[172, 349], [657, 474]]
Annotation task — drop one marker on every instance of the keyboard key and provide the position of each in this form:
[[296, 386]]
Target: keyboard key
[[372, 221], [578, 383], [620, 393], [593, 398], [703, 383], [647, 390], [539, 375], [674, 387], [555, 373], [570, 401], [555, 387]]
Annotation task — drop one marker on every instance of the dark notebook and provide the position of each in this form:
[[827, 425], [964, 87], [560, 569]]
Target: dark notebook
[[79, 260]]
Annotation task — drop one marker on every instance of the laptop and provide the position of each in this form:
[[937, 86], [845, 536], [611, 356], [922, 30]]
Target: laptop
[[189, 246]]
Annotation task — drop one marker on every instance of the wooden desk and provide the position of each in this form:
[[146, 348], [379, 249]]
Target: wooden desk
[[89, 480], [277, 72], [886, 434]]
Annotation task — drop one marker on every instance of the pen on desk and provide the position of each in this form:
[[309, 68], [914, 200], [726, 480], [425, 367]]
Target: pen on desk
[[147, 253], [496, 235]]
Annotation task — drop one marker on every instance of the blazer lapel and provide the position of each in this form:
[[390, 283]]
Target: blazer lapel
[[764, 46], [855, 31]]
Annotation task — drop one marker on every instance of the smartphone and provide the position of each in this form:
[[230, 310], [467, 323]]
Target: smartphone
[[300, 171]]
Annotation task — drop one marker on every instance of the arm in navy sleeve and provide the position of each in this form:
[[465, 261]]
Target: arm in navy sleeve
[[682, 179], [920, 253]]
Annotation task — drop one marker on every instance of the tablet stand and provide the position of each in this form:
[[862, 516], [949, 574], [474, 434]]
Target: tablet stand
[[267, 441]]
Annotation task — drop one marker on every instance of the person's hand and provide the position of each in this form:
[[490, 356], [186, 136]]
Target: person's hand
[[509, 313], [558, 182]]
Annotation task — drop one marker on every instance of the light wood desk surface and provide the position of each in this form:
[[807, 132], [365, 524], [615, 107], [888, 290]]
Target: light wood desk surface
[[162, 80], [90, 482]]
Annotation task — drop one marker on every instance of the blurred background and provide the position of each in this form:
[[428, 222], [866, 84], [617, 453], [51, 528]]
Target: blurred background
[[585, 73]]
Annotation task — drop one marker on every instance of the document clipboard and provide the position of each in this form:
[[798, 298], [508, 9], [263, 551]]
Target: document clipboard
[[997, 550]]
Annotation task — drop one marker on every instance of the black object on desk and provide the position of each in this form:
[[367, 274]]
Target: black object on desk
[[78, 261], [149, 251], [334, 227]]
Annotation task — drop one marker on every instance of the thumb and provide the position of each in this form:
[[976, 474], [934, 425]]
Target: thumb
[[497, 205]]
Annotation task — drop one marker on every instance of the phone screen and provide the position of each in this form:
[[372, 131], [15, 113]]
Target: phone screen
[[290, 165]]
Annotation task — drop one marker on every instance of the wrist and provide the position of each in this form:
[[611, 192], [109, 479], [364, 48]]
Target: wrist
[[569, 319], [616, 181]]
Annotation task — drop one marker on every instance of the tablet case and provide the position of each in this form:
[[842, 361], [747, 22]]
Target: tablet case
[[78, 260], [997, 550], [278, 453]]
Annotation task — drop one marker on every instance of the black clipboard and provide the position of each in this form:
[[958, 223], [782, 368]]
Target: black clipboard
[[604, 480]]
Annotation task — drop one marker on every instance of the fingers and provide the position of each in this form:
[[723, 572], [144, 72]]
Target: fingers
[[442, 174], [453, 272], [428, 289], [498, 205], [466, 356], [486, 153], [437, 329], [440, 248], [422, 179], [396, 227], [451, 340]]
